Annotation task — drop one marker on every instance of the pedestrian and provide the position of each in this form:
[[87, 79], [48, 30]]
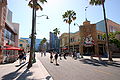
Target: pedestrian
[[56, 57], [44, 53], [41, 53], [74, 55], [78, 55], [24, 56], [51, 57], [64, 54], [20, 57], [60, 55]]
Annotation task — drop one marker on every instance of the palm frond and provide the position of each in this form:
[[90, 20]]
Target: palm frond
[[43, 1], [37, 6], [30, 4], [96, 2], [69, 16]]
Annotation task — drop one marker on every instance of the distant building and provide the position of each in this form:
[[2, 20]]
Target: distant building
[[37, 43], [23, 44], [54, 42]]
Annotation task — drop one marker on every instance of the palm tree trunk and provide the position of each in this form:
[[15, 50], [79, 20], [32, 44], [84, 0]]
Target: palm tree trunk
[[107, 37], [32, 40], [34, 60], [69, 40]]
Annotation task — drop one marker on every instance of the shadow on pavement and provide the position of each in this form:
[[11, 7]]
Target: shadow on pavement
[[48, 77], [95, 62], [20, 64], [24, 75], [13, 75]]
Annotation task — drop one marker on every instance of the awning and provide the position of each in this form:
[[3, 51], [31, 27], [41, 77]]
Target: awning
[[11, 48], [64, 48]]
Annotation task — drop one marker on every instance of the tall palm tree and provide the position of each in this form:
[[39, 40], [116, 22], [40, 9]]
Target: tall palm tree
[[56, 31], [101, 2], [34, 4], [68, 17]]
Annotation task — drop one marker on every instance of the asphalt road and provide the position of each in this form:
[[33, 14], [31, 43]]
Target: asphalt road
[[81, 69]]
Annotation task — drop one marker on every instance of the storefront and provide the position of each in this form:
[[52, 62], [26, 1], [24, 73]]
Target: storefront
[[10, 53]]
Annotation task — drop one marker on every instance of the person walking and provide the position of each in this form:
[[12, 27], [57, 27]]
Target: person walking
[[78, 55], [24, 56], [20, 57], [44, 53], [74, 55], [60, 55], [64, 54], [51, 57], [41, 53], [56, 57]]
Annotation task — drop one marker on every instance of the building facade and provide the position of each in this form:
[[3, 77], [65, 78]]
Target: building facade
[[37, 43], [9, 33], [89, 39], [3, 9]]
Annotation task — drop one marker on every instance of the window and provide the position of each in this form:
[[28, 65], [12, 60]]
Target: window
[[21, 45], [98, 36]]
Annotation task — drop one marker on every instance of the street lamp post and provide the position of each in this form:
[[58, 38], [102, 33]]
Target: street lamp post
[[79, 38]]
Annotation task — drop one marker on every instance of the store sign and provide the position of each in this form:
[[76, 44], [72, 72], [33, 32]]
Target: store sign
[[88, 41]]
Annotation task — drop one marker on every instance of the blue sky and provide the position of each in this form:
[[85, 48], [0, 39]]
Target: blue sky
[[22, 14]]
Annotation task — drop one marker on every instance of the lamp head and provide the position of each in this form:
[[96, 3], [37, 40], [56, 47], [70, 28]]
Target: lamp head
[[74, 24], [47, 17]]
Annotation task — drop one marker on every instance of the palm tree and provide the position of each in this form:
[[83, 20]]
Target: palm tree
[[56, 31], [68, 17], [101, 2], [36, 6], [43, 41]]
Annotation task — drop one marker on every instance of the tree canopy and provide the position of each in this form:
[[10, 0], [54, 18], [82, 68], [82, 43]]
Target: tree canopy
[[69, 16], [113, 38], [43, 41], [37, 5], [56, 31], [96, 2]]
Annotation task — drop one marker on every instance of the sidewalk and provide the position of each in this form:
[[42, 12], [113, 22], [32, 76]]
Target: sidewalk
[[16, 72]]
